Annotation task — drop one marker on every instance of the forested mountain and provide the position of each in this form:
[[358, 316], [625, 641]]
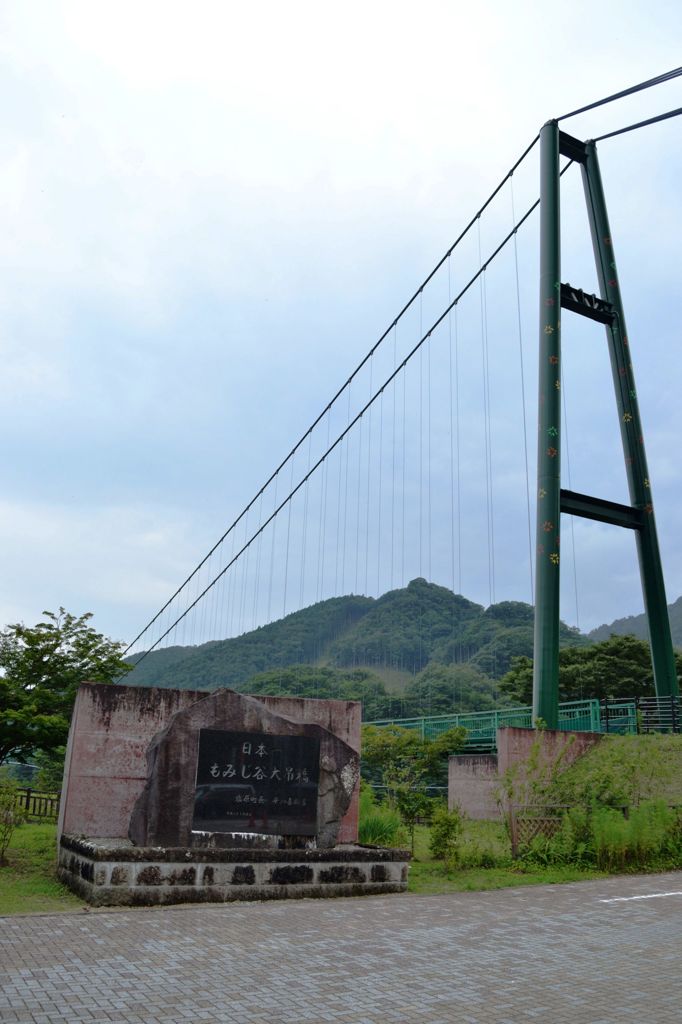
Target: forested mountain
[[636, 625], [437, 650]]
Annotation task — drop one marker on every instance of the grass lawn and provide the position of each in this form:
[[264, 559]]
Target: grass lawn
[[28, 885], [429, 876], [27, 882]]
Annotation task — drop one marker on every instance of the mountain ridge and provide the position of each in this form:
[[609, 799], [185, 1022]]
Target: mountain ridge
[[404, 631]]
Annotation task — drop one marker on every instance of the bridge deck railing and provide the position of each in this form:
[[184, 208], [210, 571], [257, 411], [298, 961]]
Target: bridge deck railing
[[635, 715]]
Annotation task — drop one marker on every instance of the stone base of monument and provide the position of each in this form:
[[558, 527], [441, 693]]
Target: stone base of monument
[[113, 872]]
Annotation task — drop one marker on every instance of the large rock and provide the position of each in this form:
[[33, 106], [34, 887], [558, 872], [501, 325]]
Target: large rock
[[163, 814]]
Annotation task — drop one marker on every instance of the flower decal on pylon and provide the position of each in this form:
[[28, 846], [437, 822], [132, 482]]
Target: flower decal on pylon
[[646, 483], [554, 558], [627, 417], [550, 302], [552, 452], [542, 493], [549, 329], [557, 385], [554, 360], [547, 526], [648, 508], [552, 431]]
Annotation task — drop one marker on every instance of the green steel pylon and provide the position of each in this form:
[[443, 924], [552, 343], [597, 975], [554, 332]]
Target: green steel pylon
[[552, 500]]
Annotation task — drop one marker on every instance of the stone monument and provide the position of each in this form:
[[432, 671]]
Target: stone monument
[[184, 796]]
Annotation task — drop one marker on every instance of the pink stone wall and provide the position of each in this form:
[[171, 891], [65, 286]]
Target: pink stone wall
[[474, 779], [111, 728], [472, 785], [514, 748], [514, 745]]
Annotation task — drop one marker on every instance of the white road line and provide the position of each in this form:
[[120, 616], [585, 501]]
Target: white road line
[[649, 896]]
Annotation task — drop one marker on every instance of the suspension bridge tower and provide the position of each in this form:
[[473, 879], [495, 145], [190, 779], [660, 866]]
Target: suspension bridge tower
[[552, 500]]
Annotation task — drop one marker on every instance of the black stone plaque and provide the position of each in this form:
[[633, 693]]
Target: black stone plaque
[[251, 782]]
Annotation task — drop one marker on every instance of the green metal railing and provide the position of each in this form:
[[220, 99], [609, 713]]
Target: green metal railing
[[482, 726], [636, 715]]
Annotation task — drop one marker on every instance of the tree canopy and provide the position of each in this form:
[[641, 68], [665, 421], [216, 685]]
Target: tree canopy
[[402, 758], [617, 667], [42, 667]]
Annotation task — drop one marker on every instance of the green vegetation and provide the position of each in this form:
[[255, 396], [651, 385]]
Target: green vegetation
[[483, 862], [619, 771], [636, 625], [28, 883], [623, 771], [10, 815], [406, 765], [311, 681], [648, 839], [446, 831], [380, 824], [303, 637], [42, 667], [420, 650], [617, 667], [610, 809]]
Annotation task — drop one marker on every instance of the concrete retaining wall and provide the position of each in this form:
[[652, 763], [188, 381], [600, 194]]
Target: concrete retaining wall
[[473, 779], [514, 746], [472, 785], [108, 874]]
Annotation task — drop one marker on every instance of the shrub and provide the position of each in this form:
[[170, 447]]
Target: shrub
[[446, 830], [603, 836], [10, 815]]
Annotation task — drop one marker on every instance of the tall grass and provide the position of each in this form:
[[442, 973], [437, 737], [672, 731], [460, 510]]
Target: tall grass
[[380, 824], [649, 837]]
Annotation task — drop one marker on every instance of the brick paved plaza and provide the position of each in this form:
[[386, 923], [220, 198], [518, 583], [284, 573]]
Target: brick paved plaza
[[550, 954]]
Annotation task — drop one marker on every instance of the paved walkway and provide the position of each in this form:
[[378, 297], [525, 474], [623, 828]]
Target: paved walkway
[[587, 953]]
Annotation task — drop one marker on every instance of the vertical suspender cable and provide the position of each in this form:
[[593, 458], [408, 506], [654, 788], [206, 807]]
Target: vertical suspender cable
[[523, 395], [369, 476], [272, 552], [393, 391], [567, 453], [286, 557], [381, 459]]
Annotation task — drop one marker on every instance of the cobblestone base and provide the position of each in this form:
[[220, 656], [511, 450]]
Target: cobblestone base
[[110, 873]]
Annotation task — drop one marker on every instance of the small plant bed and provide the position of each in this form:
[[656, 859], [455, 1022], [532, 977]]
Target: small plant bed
[[483, 861], [27, 882]]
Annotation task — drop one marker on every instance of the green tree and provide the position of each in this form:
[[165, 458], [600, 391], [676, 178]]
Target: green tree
[[449, 689], [50, 774], [43, 666], [400, 757], [10, 815], [407, 764], [617, 667]]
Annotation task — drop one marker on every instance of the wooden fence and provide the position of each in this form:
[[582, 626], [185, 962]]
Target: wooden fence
[[38, 806]]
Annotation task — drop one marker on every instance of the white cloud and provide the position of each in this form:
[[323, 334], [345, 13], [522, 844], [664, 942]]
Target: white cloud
[[208, 213], [116, 560]]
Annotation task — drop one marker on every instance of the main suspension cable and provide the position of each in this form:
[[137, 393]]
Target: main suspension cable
[[356, 419], [640, 124], [342, 389], [658, 80]]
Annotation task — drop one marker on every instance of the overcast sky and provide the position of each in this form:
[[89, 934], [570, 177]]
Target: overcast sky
[[210, 211]]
